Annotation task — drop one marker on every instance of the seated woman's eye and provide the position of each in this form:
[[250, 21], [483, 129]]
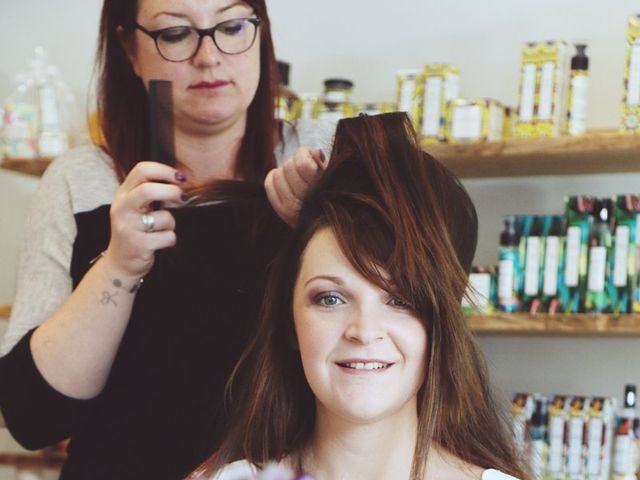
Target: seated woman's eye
[[175, 34], [399, 303], [232, 27], [329, 300]]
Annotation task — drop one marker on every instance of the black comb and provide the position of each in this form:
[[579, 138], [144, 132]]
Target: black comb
[[161, 133]]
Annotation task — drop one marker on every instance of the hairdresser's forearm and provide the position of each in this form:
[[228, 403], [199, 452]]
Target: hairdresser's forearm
[[75, 348]]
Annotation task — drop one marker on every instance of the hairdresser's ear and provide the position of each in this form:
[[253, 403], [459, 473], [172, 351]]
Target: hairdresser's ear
[[127, 42]]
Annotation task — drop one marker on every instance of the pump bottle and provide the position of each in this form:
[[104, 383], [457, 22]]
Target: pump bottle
[[578, 92]]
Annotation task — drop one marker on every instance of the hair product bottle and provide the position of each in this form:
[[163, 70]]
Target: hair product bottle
[[578, 92], [624, 457], [539, 446]]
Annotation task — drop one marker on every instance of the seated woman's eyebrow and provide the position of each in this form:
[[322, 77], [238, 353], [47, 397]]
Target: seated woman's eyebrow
[[331, 278]]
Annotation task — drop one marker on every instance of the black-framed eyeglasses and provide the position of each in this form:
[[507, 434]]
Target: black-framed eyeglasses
[[178, 44]]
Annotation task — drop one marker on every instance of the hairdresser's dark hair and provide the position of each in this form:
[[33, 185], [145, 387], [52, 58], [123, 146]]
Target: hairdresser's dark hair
[[122, 97], [393, 206]]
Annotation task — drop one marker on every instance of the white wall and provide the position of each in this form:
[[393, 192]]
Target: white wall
[[367, 41]]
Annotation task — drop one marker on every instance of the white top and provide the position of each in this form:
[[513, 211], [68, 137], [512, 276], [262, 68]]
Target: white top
[[492, 474], [243, 470]]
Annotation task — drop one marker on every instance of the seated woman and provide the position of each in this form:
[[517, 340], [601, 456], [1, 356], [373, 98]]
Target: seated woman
[[363, 366]]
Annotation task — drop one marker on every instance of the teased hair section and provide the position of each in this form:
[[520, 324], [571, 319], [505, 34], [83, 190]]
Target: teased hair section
[[392, 208]]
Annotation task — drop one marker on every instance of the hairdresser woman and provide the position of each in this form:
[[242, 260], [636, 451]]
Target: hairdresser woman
[[128, 319]]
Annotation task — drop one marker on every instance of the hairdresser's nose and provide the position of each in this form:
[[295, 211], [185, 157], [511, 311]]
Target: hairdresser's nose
[[365, 324], [208, 52]]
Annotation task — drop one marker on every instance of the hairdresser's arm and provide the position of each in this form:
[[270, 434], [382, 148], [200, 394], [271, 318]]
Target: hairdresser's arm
[[287, 185], [75, 348]]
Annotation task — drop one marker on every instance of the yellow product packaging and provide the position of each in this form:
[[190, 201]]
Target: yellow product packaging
[[509, 124], [599, 437], [307, 105], [288, 109], [557, 432], [409, 94], [333, 112], [555, 74], [577, 419], [474, 121], [522, 407], [529, 78], [631, 94], [441, 84], [375, 108]]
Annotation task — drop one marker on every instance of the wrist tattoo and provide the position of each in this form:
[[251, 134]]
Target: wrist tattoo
[[109, 298]]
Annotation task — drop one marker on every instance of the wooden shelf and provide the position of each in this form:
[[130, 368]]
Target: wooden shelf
[[600, 325], [604, 151], [28, 166], [599, 151]]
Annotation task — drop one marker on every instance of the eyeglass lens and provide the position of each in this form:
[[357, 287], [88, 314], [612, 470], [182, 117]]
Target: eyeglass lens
[[181, 43]]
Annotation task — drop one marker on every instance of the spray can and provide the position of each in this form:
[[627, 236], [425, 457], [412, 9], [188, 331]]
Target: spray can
[[578, 92]]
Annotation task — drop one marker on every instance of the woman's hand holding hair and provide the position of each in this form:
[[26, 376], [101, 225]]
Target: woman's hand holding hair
[[137, 230], [287, 185]]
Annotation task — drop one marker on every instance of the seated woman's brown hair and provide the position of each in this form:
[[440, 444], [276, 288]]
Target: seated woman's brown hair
[[406, 225]]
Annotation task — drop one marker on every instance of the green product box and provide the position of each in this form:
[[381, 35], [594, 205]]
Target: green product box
[[623, 281], [481, 296], [532, 247], [597, 297], [579, 215], [554, 232]]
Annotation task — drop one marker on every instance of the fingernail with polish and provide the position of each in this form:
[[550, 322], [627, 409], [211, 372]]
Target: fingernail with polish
[[180, 176], [185, 197], [323, 157]]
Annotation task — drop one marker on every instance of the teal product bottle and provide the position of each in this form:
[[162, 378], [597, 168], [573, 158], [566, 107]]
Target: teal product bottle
[[579, 213], [508, 266], [554, 232], [600, 247]]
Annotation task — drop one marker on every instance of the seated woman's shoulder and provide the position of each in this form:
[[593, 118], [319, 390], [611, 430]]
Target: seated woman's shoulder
[[240, 470], [492, 474], [243, 470]]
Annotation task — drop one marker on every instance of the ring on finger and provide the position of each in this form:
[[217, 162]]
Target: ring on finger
[[149, 222]]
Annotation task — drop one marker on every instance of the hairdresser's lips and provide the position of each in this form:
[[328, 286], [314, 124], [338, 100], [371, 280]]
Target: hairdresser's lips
[[364, 366], [207, 86]]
